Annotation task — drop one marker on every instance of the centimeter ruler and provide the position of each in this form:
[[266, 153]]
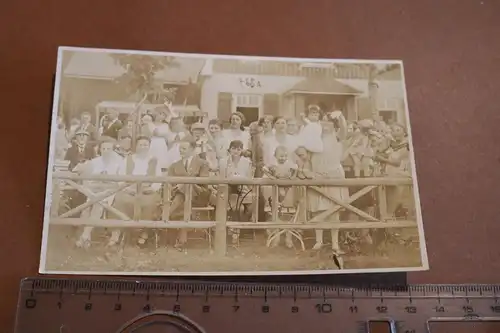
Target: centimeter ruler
[[115, 306]]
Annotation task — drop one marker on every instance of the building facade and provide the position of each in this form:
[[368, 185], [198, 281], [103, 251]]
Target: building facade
[[279, 88], [90, 78], [255, 88]]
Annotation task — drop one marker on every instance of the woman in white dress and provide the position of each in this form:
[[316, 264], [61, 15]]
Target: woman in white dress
[[326, 155], [107, 163], [236, 131], [267, 123], [177, 132], [158, 130], [279, 137]]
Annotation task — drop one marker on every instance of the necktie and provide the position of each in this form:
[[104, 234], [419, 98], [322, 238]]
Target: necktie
[[186, 161]]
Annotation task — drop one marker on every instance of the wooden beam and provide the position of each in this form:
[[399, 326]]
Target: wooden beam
[[132, 224], [235, 225], [391, 181], [221, 220]]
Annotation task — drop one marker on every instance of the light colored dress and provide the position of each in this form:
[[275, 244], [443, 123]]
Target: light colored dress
[[326, 163], [173, 154], [159, 148]]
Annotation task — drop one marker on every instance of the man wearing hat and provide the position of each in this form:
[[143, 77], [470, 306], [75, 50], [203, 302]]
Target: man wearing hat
[[202, 148], [80, 151], [87, 126]]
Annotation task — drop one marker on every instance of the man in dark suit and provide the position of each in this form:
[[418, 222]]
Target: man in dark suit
[[79, 152], [190, 165], [87, 126], [113, 126]]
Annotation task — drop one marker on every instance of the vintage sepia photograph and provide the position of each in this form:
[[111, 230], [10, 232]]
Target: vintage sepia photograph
[[192, 164]]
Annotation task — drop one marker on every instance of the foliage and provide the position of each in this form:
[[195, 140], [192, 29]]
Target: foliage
[[140, 71]]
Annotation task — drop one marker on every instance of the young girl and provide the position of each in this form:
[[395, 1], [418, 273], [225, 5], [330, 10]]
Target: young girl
[[236, 166], [310, 134], [360, 149], [282, 169]]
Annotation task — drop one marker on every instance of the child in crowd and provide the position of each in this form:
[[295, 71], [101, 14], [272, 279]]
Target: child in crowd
[[282, 169], [360, 149]]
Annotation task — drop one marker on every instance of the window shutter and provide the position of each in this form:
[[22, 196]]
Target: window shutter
[[271, 104], [224, 107]]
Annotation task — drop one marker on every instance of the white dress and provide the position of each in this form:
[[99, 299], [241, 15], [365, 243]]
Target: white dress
[[326, 163], [173, 154], [159, 148]]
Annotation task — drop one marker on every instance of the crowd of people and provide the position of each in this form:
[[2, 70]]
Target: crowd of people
[[318, 144]]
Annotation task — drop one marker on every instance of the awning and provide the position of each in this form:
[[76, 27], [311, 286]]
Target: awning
[[322, 86], [100, 65]]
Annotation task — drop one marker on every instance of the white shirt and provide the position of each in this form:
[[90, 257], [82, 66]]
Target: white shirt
[[98, 166], [229, 170], [141, 166], [310, 137]]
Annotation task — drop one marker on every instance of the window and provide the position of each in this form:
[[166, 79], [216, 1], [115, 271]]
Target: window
[[248, 100]]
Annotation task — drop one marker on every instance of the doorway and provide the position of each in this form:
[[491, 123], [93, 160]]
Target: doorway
[[251, 114]]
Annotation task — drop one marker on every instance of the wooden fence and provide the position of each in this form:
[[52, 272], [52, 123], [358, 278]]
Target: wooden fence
[[98, 188]]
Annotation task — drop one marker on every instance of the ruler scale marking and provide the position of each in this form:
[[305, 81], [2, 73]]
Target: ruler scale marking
[[408, 309]]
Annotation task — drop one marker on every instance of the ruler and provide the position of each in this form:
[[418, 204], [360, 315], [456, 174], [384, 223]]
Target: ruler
[[119, 306]]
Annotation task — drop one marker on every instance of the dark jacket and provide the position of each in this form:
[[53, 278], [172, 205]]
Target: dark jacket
[[75, 156]]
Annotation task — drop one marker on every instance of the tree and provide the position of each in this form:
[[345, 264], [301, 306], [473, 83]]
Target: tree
[[139, 80], [140, 72]]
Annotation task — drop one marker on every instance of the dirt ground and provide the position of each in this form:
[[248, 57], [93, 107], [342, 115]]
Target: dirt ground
[[63, 255]]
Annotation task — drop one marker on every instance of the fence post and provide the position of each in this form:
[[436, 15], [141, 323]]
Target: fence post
[[167, 194], [382, 202], [137, 202], [221, 219]]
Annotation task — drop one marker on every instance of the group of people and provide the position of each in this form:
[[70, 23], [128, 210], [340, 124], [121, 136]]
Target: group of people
[[319, 144]]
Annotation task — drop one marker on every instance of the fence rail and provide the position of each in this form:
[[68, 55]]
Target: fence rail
[[100, 188]]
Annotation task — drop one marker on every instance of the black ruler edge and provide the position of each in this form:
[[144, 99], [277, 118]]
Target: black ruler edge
[[113, 285]]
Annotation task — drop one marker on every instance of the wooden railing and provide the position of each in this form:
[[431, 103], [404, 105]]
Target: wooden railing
[[98, 188]]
